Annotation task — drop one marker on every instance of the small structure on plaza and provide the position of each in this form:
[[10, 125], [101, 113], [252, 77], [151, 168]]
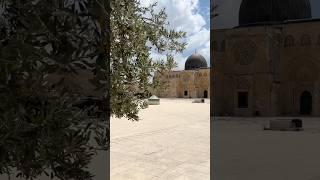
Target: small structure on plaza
[[153, 100], [198, 101], [285, 125]]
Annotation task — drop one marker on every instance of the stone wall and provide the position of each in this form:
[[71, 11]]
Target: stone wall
[[187, 84], [274, 64]]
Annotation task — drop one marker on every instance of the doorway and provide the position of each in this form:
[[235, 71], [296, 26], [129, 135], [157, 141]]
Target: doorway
[[243, 99], [205, 94], [185, 93], [306, 103]]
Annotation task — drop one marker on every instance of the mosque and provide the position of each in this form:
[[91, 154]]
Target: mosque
[[269, 65], [192, 82]]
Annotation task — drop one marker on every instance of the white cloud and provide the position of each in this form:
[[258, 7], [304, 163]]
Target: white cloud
[[198, 39], [180, 59], [184, 15], [205, 51], [157, 56]]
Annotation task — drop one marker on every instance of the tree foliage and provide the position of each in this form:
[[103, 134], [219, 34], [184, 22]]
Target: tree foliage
[[41, 129], [136, 31]]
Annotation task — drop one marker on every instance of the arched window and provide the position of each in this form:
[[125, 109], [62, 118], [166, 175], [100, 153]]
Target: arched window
[[305, 40], [289, 41], [279, 39]]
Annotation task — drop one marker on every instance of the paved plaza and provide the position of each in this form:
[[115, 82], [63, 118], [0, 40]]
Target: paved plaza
[[243, 150], [171, 141]]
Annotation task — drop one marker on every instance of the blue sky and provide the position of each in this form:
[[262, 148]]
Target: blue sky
[[228, 12], [204, 9], [193, 17]]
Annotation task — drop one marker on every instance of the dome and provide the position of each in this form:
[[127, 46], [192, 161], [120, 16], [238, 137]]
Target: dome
[[267, 11], [195, 61]]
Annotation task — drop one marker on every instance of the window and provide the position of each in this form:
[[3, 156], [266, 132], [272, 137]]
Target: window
[[305, 40], [289, 41], [242, 99], [186, 93]]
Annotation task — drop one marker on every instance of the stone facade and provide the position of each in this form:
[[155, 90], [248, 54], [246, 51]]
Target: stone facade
[[186, 84], [267, 70]]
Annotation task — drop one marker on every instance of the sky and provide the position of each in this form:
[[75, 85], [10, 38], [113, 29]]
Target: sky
[[193, 17], [228, 11]]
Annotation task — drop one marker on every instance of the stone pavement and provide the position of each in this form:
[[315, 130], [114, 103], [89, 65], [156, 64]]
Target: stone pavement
[[243, 150], [172, 141]]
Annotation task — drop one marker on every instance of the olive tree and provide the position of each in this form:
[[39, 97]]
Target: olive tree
[[136, 31], [42, 131]]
